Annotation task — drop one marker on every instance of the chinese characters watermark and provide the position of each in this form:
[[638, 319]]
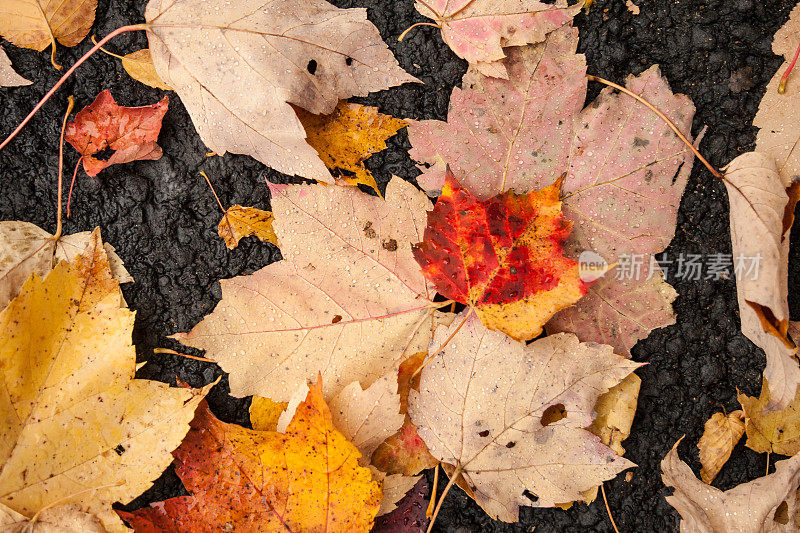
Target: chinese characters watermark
[[691, 267]]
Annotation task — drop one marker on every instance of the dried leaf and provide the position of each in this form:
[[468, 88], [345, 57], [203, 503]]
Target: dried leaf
[[238, 65], [483, 403], [346, 300], [139, 65], [264, 413], [615, 411], [409, 517], [131, 132], [8, 76], [307, 479], [239, 222], [347, 137], [720, 435], [775, 431], [747, 508], [760, 232], [59, 519], [72, 381], [37, 24], [395, 487], [501, 256], [478, 30]]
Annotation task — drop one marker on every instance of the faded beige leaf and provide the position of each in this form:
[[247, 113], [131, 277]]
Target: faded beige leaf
[[615, 411], [238, 65], [747, 508], [139, 65], [510, 417], [720, 435], [775, 431], [395, 487], [239, 222], [8, 76], [59, 519]]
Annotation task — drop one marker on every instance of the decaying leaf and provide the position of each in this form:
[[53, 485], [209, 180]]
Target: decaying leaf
[[510, 417], [264, 413], [139, 65], [615, 411], [775, 431], [409, 517], [239, 222], [765, 505], [238, 65], [720, 435], [761, 216], [73, 416], [58, 519], [307, 479], [346, 300], [501, 256], [8, 76], [478, 30], [131, 132], [347, 137]]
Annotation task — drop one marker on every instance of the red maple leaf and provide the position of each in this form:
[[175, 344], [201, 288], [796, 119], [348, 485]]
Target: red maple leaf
[[502, 256]]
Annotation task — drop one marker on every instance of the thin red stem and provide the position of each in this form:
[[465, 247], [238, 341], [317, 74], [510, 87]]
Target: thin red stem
[[70, 106], [72, 184], [785, 78]]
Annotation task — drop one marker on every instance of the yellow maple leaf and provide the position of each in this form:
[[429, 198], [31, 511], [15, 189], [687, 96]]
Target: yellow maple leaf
[[264, 413], [775, 431], [239, 222]]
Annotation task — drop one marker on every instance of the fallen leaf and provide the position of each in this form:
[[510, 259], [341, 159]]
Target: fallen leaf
[[347, 137], [8, 76], [409, 517], [307, 479], [238, 65], [59, 519], [776, 431], [131, 132], [760, 218], [478, 30], [633, 8], [346, 300], [615, 411], [501, 256], [239, 222], [720, 435], [483, 405], [74, 416], [139, 65], [264, 413], [395, 487], [747, 508]]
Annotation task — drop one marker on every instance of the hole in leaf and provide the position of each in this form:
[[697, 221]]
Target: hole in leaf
[[531, 496], [348, 61], [120, 449], [782, 513], [484, 433], [511, 444], [104, 154], [312, 67], [554, 413]]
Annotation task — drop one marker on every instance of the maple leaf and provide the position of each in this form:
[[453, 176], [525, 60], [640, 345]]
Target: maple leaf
[[73, 381], [239, 222], [139, 65], [347, 300], [615, 411], [761, 216], [478, 30], [307, 479], [8, 76], [768, 431], [502, 256], [58, 519], [264, 413], [720, 435], [348, 136], [486, 406], [131, 132], [409, 517], [753, 507], [238, 65]]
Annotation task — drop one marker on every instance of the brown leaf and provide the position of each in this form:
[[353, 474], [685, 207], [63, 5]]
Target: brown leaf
[[239, 222], [775, 431], [8, 76], [615, 411], [139, 65], [720, 435], [59, 519]]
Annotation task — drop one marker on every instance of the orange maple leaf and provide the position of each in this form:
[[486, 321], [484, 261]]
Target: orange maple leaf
[[502, 256], [306, 479]]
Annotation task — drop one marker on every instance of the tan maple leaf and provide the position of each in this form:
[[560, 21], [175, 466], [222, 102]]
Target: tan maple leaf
[[768, 431], [615, 412], [720, 435], [58, 519], [8, 76]]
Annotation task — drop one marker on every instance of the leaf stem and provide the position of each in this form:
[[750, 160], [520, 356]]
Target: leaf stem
[[112, 54], [71, 185], [444, 344], [432, 502], [213, 191], [785, 77], [663, 117], [67, 74], [403, 35], [453, 478], [187, 356], [608, 509], [59, 226]]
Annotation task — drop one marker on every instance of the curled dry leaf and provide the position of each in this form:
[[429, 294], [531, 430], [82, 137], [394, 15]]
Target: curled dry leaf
[[73, 381], [131, 132], [501, 256], [410, 515], [478, 30], [239, 222], [307, 479], [720, 435], [615, 411], [238, 65], [761, 217], [765, 505], [58, 519], [8, 76], [510, 417], [139, 65], [775, 431]]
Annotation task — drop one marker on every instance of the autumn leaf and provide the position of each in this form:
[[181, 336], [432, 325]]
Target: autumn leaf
[[139, 65], [347, 137], [615, 412], [73, 382], [58, 519], [131, 132], [478, 30], [264, 413], [409, 517], [501, 256], [239, 222], [720, 435], [510, 417], [307, 479], [217, 56], [775, 431], [8, 76], [752, 507]]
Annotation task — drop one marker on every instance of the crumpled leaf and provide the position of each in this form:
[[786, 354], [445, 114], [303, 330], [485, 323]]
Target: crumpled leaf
[[239, 222], [238, 65], [483, 403], [478, 30], [307, 479], [775, 431], [8, 76], [347, 137], [501, 256], [409, 517], [73, 415], [720, 435], [747, 508], [131, 132], [615, 412], [26, 249], [345, 301], [761, 216], [139, 65], [59, 519]]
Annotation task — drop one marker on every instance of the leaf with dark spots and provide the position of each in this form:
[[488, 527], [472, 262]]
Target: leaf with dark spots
[[409, 517]]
